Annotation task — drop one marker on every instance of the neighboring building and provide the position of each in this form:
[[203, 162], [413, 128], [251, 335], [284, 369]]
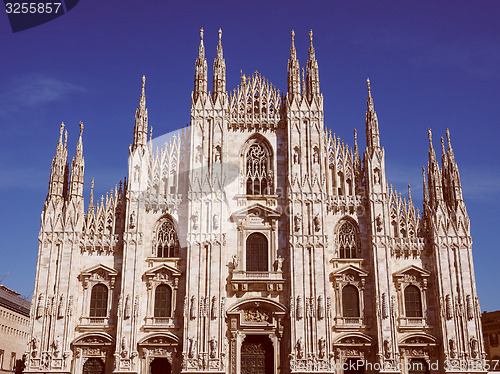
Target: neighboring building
[[491, 332], [14, 329], [255, 241]]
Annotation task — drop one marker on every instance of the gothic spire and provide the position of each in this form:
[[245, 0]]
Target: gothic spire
[[453, 176], [200, 77], [312, 79], [219, 79], [293, 78], [433, 175], [59, 168], [141, 120], [91, 198], [371, 121], [77, 169]]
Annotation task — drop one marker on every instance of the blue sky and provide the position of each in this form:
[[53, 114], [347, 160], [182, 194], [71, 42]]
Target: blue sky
[[431, 64]]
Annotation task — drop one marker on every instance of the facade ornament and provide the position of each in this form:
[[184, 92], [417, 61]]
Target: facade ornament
[[385, 306], [128, 307], [216, 222], [297, 220], [299, 347], [279, 262], [473, 347], [470, 308], [35, 345], [448, 306], [317, 223], [300, 310], [40, 306], [213, 311], [124, 351], [235, 261], [321, 308], [217, 154], [213, 347], [61, 310], [378, 222], [56, 345], [316, 155], [387, 348], [322, 347], [453, 349], [192, 310], [194, 220], [191, 347], [70, 305], [132, 220]]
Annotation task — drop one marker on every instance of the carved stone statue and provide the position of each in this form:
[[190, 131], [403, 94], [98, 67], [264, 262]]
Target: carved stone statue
[[299, 347], [297, 219], [317, 223], [322, 347], [213, 347], [279, 262]]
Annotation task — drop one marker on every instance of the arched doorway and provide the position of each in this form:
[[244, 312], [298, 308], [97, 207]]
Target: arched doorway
[[93, 366], [257, 355], [160, 366], [354, 366]]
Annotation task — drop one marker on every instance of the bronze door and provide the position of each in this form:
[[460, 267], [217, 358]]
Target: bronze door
[[257, 355], [93, 366]]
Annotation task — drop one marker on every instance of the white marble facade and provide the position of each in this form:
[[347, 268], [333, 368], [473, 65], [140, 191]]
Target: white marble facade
[[254, 241]]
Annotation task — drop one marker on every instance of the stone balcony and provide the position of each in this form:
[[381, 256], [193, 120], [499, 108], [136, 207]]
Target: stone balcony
[[257, 281]]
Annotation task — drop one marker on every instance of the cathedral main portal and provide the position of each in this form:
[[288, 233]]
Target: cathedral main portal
[[93, 366], [257, 355]]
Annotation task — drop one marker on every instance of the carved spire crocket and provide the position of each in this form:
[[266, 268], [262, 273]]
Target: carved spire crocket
[[200, 76], [219, 79]]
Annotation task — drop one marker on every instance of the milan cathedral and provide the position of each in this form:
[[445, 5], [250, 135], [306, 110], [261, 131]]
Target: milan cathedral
[[255, 241]]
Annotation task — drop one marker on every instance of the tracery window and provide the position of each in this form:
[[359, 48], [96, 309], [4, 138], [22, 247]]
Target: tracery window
[[257, 253], [163, 301], [347, 240], [99, 301], [257, 171], [167, 243], [413, 302], [350, 301]]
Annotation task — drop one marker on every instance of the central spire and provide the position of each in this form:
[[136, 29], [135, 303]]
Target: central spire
[[200, 77]]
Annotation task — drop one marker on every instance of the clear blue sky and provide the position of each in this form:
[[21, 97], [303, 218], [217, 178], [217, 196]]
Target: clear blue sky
[[432, 64]]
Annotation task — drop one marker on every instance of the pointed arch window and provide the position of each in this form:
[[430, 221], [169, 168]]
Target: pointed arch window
[[347, 240], [99, 301], [413, 301], [350, 301], [167, 242], [258, 169], [163, 301], [257, 253]]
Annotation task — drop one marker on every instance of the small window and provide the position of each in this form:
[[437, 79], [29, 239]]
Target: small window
[[163, 301], [1, 358], [257, 253], [347, 240], [167, 243], [413, 302], [99, 301], [13, 361], [494, 339], [350, 301]]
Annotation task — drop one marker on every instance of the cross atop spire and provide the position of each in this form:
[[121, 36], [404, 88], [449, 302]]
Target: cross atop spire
[[312, 54]]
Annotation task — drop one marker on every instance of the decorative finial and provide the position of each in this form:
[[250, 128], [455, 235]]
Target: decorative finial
[[442, 146], [293, 35], [65, 138], [448, 137], [81, 128], [151, 134], [368, 84], [429, 134], [61, 130], [311, 36], [220, 35], [201, 34], [143, 81], [243, 78]]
